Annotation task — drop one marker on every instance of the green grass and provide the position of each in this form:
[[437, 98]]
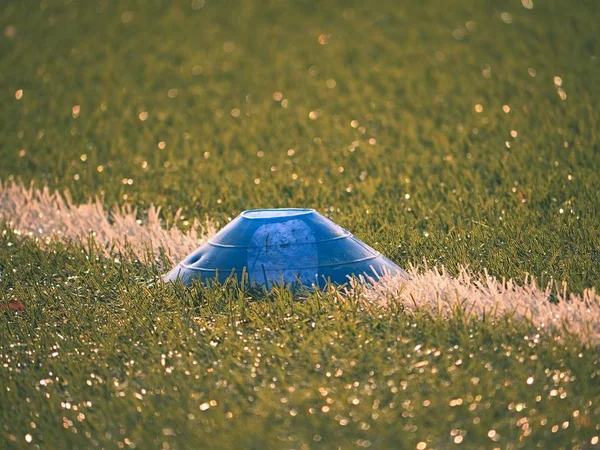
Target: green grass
[[420, 174], [102, 357], [399, 72]]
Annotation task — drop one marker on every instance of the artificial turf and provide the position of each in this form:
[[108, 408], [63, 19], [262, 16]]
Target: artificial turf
[[459, 132]]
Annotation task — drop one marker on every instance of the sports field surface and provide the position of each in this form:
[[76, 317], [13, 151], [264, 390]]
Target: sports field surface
[[461, 139]]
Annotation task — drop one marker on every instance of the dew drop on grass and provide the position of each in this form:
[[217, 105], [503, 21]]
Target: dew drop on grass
[[506, 17], [127, 16], [10, 31], [527, 4]]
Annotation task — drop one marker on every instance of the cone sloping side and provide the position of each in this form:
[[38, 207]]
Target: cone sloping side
[[283, 245]]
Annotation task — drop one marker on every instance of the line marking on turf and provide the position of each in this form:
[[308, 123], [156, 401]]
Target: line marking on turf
[[436, 292], [45, 215]]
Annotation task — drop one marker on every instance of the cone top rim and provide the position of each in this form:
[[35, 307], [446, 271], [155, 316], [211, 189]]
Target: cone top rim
[[275, 213]]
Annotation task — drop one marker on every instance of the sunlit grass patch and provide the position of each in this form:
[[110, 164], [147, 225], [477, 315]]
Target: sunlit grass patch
[[218, 367]]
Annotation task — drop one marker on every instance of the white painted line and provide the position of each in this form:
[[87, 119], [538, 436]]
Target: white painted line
[[43, 215], [435, 292]]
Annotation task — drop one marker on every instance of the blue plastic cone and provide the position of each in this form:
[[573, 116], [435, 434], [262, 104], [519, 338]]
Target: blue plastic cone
[[288, 245]]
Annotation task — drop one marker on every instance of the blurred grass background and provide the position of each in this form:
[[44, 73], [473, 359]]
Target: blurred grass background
[[365, 111]]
